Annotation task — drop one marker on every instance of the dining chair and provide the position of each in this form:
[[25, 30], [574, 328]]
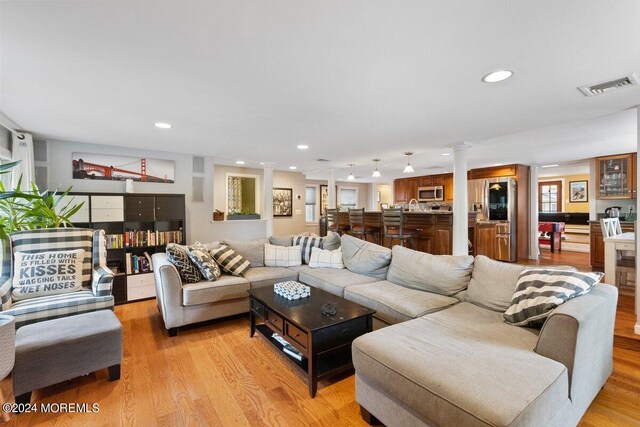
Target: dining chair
[[358, 227], [333, 222], [626, 263], [393, 225], [7, 352]]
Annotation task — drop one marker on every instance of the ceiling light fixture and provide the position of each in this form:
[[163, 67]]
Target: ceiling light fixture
[[408, 168], [376, 173], [239, 162], [163, 125], [302, 147], [497, 76], [549, 166], [351, 177], [293, 168], [445, 154]]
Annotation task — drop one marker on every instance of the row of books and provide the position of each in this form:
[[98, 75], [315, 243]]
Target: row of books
[[138, 263], [139, 238], [115, 241]]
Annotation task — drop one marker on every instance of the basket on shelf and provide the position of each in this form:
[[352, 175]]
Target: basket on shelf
[[218, 215]]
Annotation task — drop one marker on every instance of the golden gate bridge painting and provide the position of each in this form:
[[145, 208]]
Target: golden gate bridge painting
[[120, 168]]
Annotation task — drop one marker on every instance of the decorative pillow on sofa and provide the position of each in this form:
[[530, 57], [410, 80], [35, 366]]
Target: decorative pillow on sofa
[[323, 258], [46, 273], [307, 243], [280, 241], [282, 256], [540, 290], [230, 261], [199, 255], [331, 242], [365, 258], [440, 274], [178, 255], [252, 250]]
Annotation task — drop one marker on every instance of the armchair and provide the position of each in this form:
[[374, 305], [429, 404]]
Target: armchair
[[97, 279]]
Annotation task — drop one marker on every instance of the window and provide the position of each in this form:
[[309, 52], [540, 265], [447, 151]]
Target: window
[[310, 204], [348, 198], [5, 178], [243, 193], [550, 196]]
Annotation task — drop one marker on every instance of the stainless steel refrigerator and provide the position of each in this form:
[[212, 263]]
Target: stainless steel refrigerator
[[495, 201]]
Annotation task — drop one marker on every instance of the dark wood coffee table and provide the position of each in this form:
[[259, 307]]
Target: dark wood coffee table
[[324, 341]]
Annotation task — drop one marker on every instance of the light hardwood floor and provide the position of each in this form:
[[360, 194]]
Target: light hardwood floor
[[215, 374]]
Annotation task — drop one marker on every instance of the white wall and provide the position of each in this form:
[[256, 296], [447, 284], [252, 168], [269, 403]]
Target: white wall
[[5, 139], [59, 171]]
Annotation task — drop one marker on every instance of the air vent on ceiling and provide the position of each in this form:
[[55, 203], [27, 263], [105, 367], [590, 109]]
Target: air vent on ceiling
[[610, 85], [322, 160]]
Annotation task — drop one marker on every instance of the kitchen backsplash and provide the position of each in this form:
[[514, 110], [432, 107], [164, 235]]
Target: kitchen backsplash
[[427, 206]]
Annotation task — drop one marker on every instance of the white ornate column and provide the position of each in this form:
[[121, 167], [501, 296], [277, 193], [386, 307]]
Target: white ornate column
[[460, 200], [534, 247], [331, 190], [267, 190], [637, 328]]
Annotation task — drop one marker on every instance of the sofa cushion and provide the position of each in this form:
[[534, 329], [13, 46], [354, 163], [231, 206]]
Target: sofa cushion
[[331, 242], [332, 280], [324, 258], [225, 288], [281, 241], [267, 276], [307, 243], [365, 258], [442, 274], [394, 303], [252, 250], [492, 283], [463, 366], [282, 256]]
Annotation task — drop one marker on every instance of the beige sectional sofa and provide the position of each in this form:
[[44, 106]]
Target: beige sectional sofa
[[447, 358]]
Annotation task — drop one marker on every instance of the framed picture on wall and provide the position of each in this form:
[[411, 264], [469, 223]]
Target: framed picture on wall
[[578, 191], [324, 197], [120, 168], [282, 202]]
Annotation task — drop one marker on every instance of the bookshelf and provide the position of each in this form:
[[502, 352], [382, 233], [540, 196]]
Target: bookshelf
[[136, 226]]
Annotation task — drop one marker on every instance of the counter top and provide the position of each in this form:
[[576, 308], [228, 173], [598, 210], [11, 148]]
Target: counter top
[[621, 221]]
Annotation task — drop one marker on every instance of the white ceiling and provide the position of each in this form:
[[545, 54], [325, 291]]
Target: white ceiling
[[355, 80]]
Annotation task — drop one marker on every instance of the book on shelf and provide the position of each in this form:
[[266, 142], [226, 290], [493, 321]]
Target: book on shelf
[[144, 238], [287, 348], [114, 241], [138, 263]]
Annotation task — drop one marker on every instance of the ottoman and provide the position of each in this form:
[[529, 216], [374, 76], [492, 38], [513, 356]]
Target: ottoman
[[57, 350]]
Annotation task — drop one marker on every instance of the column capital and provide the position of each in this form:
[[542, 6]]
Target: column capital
[[266, 165], [462, 146]]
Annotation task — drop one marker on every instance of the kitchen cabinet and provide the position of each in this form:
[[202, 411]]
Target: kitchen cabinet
[[616, 176], [493, 172], [486, 240], [405, 189], [596, 247], [448, 187]]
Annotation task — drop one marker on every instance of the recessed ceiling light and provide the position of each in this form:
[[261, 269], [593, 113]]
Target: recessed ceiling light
[[239, 162], [302, 147], [163, 125], [498, 164], [497, 76], [445, 154], [262, 163], [293, 168], [549, 166]]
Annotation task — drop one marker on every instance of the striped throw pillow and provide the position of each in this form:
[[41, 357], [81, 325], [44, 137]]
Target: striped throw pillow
[[539, 291], [282, 256], [199, 256], [230, 261], [323, 258], [307, 243]]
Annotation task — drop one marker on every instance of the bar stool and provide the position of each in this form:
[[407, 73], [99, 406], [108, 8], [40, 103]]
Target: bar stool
[[358, 229], [626, 264], [333, 222], [393, 223]]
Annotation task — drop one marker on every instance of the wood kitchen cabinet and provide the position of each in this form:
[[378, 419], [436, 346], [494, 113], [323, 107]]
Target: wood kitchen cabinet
[[405, 189], [448, 187], [486, 240], [596, 248], [616, 176]]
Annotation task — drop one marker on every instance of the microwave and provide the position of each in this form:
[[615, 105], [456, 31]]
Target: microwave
[[431, 194]]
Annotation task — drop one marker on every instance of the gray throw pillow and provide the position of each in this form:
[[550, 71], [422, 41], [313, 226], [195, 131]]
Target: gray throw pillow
[[199, 255], [440, 274], [252, 250], [331, 242], [281, 241], [365, 258], [178, 255], [539, 291]]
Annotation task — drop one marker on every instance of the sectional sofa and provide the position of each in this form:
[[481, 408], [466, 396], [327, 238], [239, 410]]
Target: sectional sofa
[[446, 357]]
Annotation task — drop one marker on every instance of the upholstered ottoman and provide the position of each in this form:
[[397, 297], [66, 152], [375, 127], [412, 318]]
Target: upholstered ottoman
[[57, 350]]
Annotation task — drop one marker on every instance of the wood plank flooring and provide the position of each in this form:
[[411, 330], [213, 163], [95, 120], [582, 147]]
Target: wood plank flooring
[[215, 374]]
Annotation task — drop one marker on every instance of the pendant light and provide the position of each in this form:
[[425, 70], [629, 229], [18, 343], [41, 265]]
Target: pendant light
[[376, 173], [351, 177], [408, 168]]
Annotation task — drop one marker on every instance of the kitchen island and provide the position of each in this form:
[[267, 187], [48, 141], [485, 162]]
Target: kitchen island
[[436, 229]]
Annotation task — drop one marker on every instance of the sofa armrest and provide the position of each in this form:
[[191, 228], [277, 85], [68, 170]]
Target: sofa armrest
[[6, 284], [101, 281], [579, 334], [168, 290]]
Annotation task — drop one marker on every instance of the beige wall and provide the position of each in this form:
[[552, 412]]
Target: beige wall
[[386, 194], [566, 179]]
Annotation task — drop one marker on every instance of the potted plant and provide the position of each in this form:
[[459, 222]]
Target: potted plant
[[242, 214]]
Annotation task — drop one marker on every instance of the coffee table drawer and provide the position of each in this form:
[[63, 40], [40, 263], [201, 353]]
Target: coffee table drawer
[[299, 336], [274, 321], [258, 309]]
